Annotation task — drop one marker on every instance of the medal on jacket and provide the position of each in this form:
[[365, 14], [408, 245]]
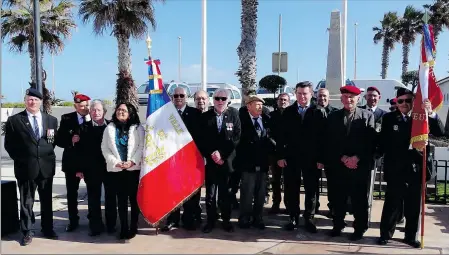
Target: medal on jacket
[[229, 126], [395, 128], [50, 135]]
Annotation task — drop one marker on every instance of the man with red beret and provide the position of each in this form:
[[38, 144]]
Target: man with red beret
[[372, 98], [70, 133], [393, 104], [349, 151]]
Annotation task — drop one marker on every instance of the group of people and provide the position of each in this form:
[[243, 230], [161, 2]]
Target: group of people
[[296, 141]]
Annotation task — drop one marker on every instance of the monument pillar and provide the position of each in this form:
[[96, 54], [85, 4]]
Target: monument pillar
[[334, 71]]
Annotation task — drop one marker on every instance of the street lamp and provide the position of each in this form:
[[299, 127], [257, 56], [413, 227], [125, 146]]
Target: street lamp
[[355, 50], [179, 58]]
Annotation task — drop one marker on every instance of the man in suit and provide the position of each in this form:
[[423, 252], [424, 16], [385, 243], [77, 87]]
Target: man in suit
[[254, 150], [191, 118], [283, 101], [95, 174], [72, 128], [403, 168], [298, 151], [29, 140], [220, 135], [323, 102], [201, 99], [349, 142], [372, 98]]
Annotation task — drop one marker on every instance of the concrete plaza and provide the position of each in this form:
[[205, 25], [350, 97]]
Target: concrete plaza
[[272, 240]]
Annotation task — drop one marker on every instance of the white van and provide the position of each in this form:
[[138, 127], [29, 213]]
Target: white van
[[387, 88]]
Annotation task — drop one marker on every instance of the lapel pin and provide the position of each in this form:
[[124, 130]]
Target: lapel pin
[[395, 128]]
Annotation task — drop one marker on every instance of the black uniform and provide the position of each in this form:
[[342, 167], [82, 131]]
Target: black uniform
[[34, 166], [192, 209], [72, 161], [350, 135], [276, 171], [402, 172], [298, 145], [223, 138]]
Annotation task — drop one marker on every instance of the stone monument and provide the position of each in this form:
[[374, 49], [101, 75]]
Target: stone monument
[[334, 71]]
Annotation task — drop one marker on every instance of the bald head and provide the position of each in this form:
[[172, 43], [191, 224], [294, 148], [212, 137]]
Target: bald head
[[201, 100], [323, 97]]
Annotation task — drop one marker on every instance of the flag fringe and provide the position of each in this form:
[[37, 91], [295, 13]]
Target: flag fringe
[[156, 224], [438, 107], [419, 138]]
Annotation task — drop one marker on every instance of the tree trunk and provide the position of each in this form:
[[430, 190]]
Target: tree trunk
[[247, 48], [385, 59], [46, 101], [32, 62], [126, 89], [405, 55]]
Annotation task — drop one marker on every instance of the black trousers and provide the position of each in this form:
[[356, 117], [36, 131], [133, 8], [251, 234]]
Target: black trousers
[[410, 194], [94, 181], [292, 186], [254, 185], [192, 211], [330, 183], [351, 184], [218, 179], [110, 197], [27, 190], [128, 183], [72, 185], [276, 173]]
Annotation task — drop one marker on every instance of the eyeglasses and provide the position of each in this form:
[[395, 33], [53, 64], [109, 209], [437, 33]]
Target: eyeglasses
[[179, 95], [200, 98], [220, 98], [408, 101]]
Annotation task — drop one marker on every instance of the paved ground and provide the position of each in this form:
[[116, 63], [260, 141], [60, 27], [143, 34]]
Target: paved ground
[[269, 241]]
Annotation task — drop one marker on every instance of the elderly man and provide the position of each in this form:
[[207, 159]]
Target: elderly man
[[298, 151], [191, 117], [72, 129], [283, 101], [254, 150], [29, 140], [201, 100], [220, 135], [349, 147], [403, 168], [95, 174]]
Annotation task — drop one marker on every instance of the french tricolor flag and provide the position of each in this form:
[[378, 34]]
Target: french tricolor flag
[[172, 166]]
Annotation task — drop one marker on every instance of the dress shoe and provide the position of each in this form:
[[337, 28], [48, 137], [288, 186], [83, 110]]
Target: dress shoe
[[413, 243], [335, 232], [132, 233], [290, 226], [357, 235], [71, 227], [208, 228], [310, 226], [227, 226], [27, 239], [169, 227], [382, 241], [50, 234]]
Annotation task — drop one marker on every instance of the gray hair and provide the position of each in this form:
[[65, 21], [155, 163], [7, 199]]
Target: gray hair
[[199, 91], [218, 91], [284, 94], [98, 101]]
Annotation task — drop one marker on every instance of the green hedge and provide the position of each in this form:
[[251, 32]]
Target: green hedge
[[270, 102], [13, 105]]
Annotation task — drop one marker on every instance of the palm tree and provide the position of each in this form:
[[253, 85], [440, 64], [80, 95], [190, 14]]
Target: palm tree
[[439, 16], [247, 47], [409, 26], [127, 19], [388, 32], [18, 27]]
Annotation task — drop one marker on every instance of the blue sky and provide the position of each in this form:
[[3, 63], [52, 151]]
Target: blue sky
[[89, 63]]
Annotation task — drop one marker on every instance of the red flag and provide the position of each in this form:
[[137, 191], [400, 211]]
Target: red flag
[[427, 89]]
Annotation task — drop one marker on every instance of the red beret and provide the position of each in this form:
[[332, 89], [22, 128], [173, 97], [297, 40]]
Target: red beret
[[373, 89], [350, 89], [394, 101], [80, 98]]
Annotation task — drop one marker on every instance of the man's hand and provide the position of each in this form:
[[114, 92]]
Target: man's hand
[[80, 175], [119, 165], [75, 139], [128, 164], [216, 157], [426, 105], [282, 163], [319, 166]]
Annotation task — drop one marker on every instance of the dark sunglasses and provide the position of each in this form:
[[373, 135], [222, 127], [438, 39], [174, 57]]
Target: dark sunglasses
[[220, 98], [408, 101], [179, 95]]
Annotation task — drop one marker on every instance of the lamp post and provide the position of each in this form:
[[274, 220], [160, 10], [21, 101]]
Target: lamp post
[[355, 50], [204, 46], [37, 45]]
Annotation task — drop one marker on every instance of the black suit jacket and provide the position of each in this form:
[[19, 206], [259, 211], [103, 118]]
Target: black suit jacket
[[224, 141], [276, 124], [253, 150], [91, 155], [378, 114], [192, 117], [300, 139], [360, 141], [72, 157], [31, 157], [400, 162]]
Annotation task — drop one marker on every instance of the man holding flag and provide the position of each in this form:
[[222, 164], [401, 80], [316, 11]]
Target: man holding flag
[[403, 140]]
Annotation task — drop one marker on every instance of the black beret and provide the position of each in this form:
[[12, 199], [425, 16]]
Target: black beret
[[34, 93], [403, 91]]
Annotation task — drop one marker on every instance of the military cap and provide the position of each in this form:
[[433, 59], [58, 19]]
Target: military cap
[[350, 89], [32, 92], [403, 91], [393, 101], [254, 98], [372, 88], [80, 98]]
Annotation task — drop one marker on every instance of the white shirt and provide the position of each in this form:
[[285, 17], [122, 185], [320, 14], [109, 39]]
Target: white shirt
[[182, 109], [80, 118], [39, 121], [259, 120], [95, 124], [372, 109]]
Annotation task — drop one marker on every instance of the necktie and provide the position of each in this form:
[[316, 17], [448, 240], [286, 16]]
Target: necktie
[[180, 112], [257, 126], [36, 128], [219, 123], [406, 118]]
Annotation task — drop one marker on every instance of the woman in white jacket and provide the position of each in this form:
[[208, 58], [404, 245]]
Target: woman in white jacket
[[122, 147]]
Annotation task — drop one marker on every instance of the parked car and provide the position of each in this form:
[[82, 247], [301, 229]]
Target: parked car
[[169, 87], [234, 93], [264, 93]]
